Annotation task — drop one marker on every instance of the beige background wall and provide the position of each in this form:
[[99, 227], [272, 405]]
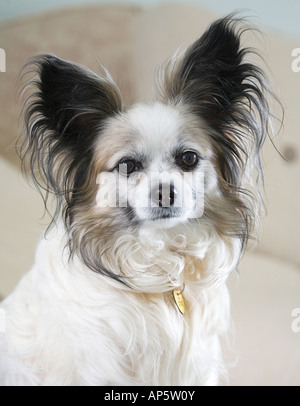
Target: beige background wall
[[132, 43]]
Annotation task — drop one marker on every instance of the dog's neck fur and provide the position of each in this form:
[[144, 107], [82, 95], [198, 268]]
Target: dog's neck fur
[[56, 292]]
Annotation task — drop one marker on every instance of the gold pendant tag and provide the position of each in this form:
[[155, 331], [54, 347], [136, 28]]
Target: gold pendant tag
[[179, 300]]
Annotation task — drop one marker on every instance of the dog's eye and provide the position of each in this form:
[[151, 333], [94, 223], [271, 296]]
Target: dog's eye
[[128, 167], [188, 160]]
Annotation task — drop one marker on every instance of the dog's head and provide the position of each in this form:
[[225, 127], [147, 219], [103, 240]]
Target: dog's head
[[187, 159]]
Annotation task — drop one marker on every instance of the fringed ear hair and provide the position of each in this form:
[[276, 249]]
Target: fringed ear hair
[[64, 113], [229, 94], [214, 80]]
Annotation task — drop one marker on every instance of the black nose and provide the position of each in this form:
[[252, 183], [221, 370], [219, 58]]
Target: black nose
[[167, 195]]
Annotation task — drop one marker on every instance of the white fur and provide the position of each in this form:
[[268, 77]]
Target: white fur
[[71, 320], [155, 130], [69, 326]]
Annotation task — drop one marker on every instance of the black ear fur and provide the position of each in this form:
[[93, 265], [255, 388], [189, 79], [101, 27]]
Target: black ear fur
[[229, 94], [73, 99], [211, 74], [64, 113]]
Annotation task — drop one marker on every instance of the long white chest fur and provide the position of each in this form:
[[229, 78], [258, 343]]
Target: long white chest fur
[[70, 326]]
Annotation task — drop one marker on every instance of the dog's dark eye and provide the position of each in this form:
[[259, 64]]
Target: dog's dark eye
[[128, 167], [188, 160]]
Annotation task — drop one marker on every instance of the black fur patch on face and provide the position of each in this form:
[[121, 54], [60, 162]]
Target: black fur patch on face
[[66, 109]]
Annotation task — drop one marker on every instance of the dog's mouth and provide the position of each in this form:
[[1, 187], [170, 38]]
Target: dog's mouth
[[163, 213]]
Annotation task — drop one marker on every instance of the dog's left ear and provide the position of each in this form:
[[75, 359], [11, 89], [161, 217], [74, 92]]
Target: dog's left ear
[[216, 83], [211, 75]]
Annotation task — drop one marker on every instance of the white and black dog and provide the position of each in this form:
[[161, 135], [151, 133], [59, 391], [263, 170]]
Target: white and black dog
[[155, 205]]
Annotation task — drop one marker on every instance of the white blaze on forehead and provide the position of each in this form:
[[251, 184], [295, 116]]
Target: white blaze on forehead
[[151, 133], [157, 125]]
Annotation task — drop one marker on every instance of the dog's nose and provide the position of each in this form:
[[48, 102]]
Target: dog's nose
[[165, 195]]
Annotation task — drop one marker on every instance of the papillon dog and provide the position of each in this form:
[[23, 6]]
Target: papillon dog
[[155, 204]]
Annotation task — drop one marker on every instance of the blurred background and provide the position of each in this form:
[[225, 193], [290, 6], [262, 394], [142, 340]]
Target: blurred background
[[132, 38]]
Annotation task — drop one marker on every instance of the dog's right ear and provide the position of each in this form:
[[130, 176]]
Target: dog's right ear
[[64, 113], [70, 100]]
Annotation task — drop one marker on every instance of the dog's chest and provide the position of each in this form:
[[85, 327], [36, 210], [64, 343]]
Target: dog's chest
[[145, 339]]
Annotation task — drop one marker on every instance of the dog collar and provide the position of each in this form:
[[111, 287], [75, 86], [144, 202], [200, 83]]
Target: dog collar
[[179, 299]]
